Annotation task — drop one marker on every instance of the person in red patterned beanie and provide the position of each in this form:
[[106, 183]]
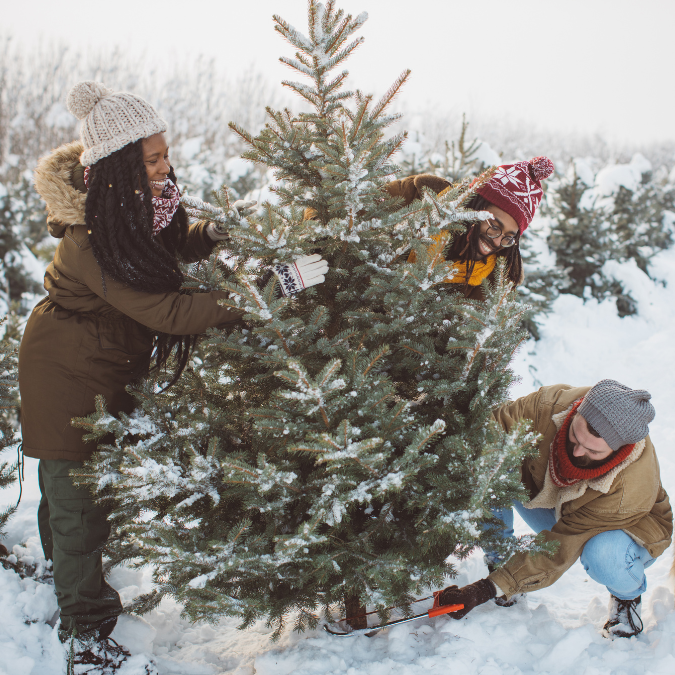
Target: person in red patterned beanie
[[516, 189], [512, 196]]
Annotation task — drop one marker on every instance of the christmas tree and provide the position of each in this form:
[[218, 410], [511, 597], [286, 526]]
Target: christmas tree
[[579, 232], [335, 450]]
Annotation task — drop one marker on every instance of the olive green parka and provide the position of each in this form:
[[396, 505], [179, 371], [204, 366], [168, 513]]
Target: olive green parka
[[82, 340]]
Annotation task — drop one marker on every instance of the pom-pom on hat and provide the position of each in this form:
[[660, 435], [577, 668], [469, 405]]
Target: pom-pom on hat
[[619, 414], [110, 120], [516, 188]]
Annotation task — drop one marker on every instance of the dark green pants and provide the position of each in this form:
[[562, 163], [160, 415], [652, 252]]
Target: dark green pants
[[73, 530]]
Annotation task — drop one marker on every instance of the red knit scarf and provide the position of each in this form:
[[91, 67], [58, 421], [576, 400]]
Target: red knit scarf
[[164, 207], [563, 472]]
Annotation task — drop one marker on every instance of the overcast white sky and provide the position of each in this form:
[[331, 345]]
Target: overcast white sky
[[590, 66]]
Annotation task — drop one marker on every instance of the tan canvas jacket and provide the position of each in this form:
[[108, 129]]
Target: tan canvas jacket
[[629, 498], [80, 340]]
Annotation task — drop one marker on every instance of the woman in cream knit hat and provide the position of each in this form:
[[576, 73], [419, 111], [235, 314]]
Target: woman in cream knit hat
[[113, 306]]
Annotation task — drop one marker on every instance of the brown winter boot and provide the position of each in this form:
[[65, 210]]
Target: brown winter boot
[[624, 618], [103, 657], [96, 656]]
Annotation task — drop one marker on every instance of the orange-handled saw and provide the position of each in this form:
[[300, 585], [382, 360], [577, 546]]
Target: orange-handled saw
[[373, 630]]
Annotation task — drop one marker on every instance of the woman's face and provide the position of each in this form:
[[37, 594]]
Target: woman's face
[[502, 220], [156, 159]]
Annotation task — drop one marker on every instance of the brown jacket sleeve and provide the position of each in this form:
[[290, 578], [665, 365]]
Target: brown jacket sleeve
[[410, 188], [199, 245], [174, 313], [525, 408]]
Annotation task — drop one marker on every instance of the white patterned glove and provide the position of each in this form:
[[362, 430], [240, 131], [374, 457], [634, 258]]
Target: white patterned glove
[[303, 273], [238, 211]]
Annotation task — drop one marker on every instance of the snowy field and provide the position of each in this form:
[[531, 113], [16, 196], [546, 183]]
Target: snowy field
[[556, 630]]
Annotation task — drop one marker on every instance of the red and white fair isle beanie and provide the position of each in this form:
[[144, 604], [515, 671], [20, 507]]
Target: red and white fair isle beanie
[[516, 188]]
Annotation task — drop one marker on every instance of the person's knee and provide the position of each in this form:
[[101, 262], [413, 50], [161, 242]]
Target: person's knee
[[609, 556], [606, 546]]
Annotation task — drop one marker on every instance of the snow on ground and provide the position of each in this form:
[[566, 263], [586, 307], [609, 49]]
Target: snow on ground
[[556, 630]]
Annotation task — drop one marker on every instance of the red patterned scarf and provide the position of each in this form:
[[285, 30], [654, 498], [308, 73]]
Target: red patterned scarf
[[563, 472], [164, 206]]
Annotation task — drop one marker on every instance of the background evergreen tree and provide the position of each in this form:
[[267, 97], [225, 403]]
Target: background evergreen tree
[[459, 158], [8, 406], [592, 224], [337, 449], [578, 233], [22, 227], [543, 283]]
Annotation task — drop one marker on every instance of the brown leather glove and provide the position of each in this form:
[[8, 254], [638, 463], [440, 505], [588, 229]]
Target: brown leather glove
[[410, 188], [470, 596]]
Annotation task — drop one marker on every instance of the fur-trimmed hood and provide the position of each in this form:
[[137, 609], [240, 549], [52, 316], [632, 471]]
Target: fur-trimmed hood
[[55, 181]]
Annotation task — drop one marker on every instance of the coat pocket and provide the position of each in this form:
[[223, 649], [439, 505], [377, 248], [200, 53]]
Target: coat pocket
[[535, 581], [125, 345], [63, 488]]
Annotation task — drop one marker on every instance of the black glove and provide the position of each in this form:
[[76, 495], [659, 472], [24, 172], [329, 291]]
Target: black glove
[[470, 596]]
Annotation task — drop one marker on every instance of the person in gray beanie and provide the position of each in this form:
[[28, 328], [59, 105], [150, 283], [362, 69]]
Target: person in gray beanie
[[620, 415], [595, 490], [114, 309]]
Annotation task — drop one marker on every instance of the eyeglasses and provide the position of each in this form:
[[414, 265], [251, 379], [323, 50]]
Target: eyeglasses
[[494, 231]]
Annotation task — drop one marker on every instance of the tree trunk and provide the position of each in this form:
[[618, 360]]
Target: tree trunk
[[353, 610]]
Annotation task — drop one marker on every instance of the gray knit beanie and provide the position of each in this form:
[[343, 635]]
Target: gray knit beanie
[[110, 120], [619, 414]]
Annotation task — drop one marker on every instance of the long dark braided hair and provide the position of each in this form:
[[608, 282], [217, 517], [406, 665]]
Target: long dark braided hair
[[464, 247], [119, 216]]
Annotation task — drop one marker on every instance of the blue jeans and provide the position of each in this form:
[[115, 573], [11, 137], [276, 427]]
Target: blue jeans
[[611, 558]]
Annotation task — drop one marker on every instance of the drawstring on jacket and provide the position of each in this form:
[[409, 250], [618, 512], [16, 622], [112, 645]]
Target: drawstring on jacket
[[20, 457]]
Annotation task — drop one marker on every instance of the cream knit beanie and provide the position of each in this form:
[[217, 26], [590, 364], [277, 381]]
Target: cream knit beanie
[[110, 120]]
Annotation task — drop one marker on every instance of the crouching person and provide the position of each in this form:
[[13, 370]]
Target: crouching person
[[595, 489]]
